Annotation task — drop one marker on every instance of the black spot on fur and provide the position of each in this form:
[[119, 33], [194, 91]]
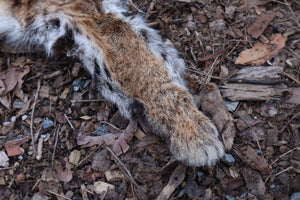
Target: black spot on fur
[[55, 23], [63, 43], [144, 35], [137, 109], [164, 56], [107, 72]]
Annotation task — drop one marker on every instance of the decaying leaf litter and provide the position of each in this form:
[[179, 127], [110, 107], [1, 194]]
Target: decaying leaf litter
[[244, 66]]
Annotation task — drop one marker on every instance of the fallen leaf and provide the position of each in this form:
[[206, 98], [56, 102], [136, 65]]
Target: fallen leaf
[[66, 174], [252, 159], [254, 182], [13, 148], [59, 116], [260, 53]]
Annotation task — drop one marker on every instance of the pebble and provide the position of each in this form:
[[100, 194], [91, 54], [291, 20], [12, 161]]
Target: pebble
[[24, 117], [228, 159], [295, 196], [48, 123], [231, 105], [200, 173], [229, 197]]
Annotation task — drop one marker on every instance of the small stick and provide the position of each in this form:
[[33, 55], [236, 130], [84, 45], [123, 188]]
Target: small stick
[[265, 82], [122, 167], [39, 149], [32, 114], [103, 122], [289, 122], [286, 153], [55, 144], [86, 101], [291, 77], [71, 125], [58, 195], [287, 169], [87, 157]]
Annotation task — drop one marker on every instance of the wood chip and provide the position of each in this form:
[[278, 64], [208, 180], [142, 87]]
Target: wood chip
[[260, 24], [176, 178]]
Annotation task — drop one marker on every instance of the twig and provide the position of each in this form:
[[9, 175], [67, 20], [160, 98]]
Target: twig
[[294, 15], [289, 122], [104, 122], [123, 167], [291, 77], [58, 195], [290, 167], [86, 101], [55, 144], [71, 125], [286, 153], [265, 82], [32, 114], [87, 157], [133, 5]]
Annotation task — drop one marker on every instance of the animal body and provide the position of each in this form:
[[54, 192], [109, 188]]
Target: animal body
[[131, 65]]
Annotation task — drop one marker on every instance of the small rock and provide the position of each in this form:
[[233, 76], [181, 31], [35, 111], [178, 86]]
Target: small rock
[[114, 175], [74, 157], [295, 196], [48, 123], [229, 197], [200, 173], [228, 159], [231, 105], [24, 117]]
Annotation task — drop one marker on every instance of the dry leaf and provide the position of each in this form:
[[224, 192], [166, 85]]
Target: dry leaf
[[13, 148], [251, 158], [66, 174], [260, 53]]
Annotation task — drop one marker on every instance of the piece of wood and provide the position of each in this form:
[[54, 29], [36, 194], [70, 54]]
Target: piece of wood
[[253, 92], [176, 178], [245, 90], [212, 104], [260, 24]]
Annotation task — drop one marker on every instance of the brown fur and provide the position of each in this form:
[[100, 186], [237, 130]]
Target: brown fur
[[170, 109]]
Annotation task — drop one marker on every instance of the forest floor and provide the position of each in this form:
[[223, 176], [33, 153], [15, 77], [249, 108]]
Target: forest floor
[[243, 60]]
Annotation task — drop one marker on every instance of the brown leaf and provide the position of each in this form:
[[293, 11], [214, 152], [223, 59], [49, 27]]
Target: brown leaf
[[13, 148], [260, 53], [59, 116], [251, 158], [66, 174]]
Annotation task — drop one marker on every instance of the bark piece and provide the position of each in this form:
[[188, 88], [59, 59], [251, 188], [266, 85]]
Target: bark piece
[[256, 83], [176, 178], [212, 104], [254, 182], [260, 24]]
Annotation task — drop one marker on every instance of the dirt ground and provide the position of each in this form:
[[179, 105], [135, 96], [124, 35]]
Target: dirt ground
[[243, 61]]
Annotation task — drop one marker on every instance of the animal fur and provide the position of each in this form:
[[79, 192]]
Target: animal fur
[[132, 66]]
